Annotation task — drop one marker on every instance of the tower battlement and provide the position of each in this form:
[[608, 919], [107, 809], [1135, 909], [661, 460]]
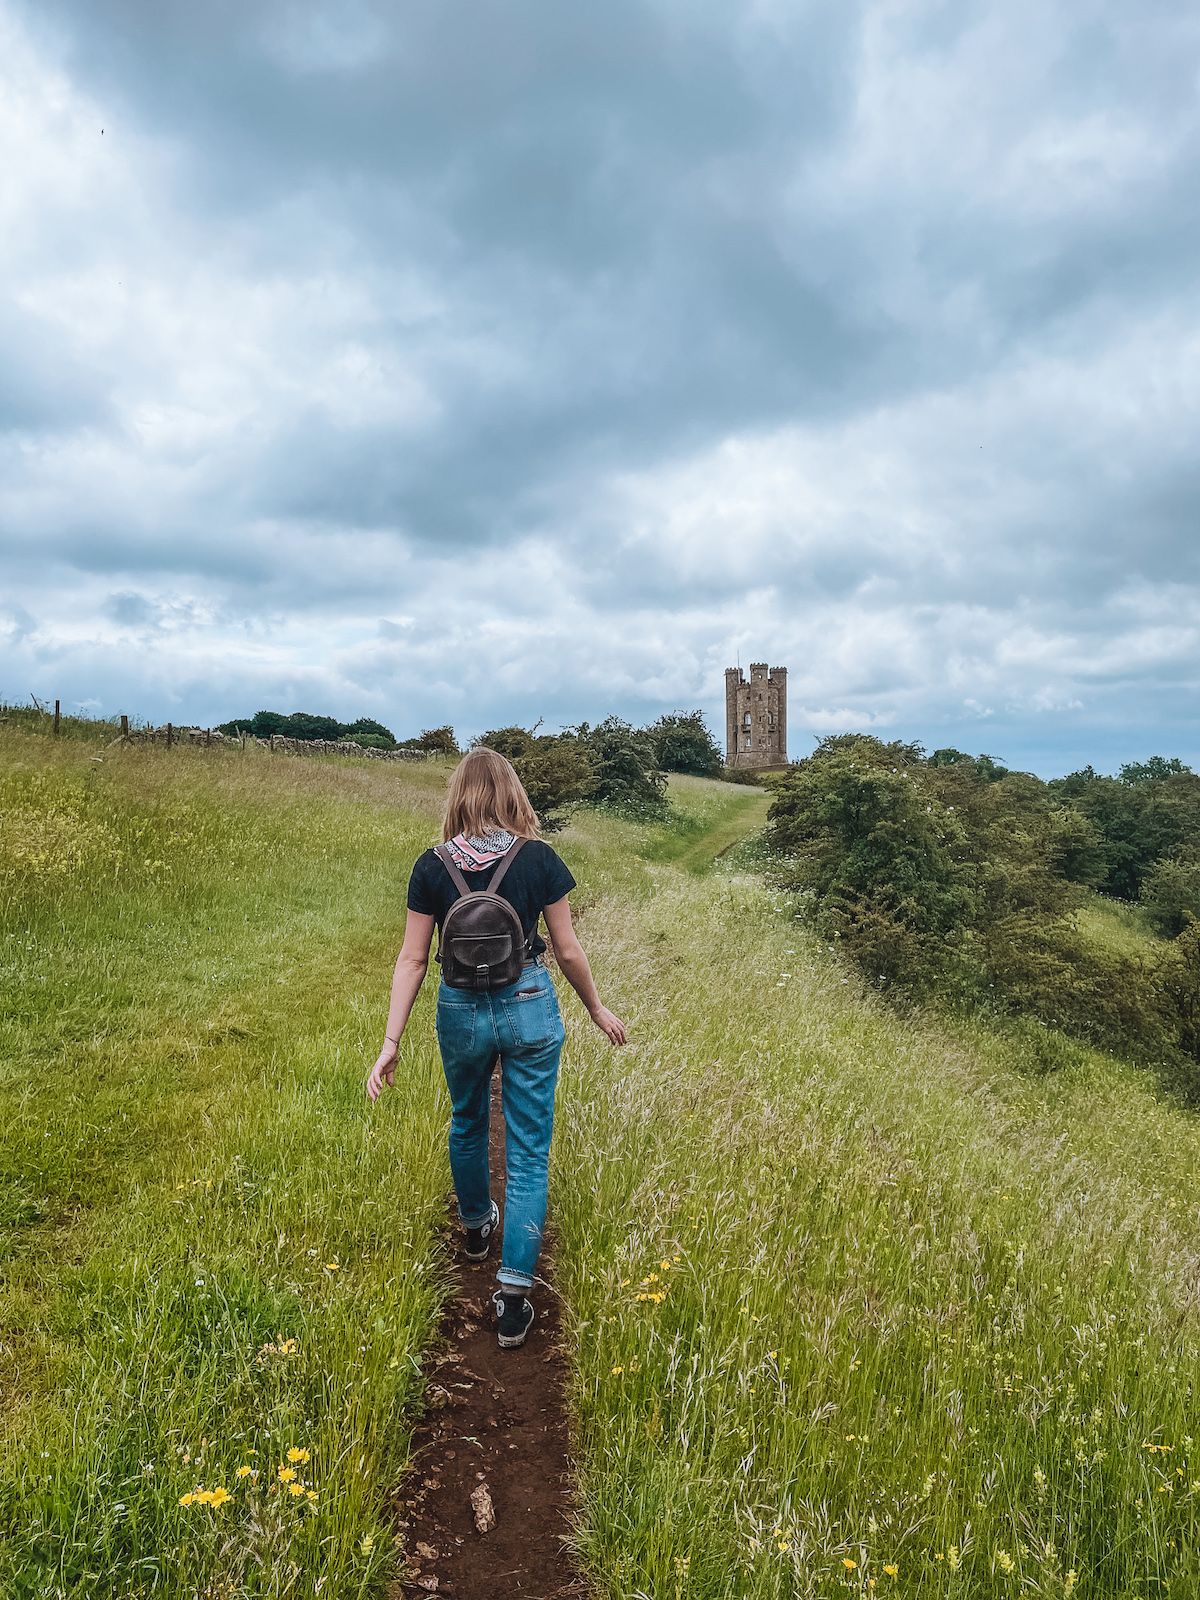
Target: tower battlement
[[756, 717]]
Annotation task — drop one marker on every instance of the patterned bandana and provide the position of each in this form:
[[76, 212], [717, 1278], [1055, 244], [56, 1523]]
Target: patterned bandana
[[474, 851]]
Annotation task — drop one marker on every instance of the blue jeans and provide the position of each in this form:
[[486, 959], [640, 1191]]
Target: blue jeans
[[523, 1025]]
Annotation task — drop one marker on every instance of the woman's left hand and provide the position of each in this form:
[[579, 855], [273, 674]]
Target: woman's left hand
[[384, 1071]]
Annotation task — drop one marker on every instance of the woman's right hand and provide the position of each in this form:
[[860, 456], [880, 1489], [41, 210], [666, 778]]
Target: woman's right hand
[[384, 1071], [609, 1024]]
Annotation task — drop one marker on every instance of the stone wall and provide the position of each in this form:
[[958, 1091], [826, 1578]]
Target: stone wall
[[278, 744]]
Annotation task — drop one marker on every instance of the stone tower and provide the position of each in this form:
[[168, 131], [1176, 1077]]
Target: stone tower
[[756, 717]]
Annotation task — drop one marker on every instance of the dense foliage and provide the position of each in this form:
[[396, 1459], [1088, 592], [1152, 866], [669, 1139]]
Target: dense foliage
[[1150, 811], [953, 876], [683, 743], [434, 741], [610, 764]]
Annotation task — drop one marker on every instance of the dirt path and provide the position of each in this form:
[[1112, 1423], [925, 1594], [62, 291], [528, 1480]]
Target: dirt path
[[493, 1443]]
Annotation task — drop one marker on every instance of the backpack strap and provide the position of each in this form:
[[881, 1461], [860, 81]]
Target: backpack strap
[[451, 866], [494, 885]]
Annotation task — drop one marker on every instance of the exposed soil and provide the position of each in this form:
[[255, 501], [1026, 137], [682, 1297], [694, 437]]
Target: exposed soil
[[493, 1445]]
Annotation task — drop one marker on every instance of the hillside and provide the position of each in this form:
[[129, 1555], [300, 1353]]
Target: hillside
[[853, 1304]]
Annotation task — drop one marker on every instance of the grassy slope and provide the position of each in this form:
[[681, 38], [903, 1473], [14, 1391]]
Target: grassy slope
[[853, 1294], [711, 817], [845, 1293]]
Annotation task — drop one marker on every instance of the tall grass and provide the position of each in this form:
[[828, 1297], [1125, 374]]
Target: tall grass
[[212, 1254], [857, 1304]]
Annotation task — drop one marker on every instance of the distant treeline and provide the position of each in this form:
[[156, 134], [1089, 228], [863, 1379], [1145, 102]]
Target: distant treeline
[[308, 725], [948, 875]]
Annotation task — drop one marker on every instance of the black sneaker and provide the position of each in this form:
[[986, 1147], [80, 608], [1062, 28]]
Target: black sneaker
[[514, 1317], [479, 1240]]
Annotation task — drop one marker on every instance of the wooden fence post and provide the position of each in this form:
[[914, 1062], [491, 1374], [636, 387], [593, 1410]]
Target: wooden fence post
[[57, 716], [207, 737], [124, 725], [168, 735]]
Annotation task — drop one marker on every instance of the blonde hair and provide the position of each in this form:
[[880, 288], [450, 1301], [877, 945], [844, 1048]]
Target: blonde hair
[[484, 793]]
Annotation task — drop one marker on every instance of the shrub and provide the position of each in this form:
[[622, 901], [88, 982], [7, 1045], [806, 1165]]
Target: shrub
[[857, 830], [625, 768], [1179, 981], [363, 729], [1171, 892], [682, 743], [434, 741], [556, 769]]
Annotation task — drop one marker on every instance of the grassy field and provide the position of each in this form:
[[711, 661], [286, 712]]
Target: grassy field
[[857, 1305], [212, 1254]]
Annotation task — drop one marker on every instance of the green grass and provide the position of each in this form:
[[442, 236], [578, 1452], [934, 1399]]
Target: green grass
[[708, 819], [212, 1252], [851, 1293], [1116, 927], [844, 1291]]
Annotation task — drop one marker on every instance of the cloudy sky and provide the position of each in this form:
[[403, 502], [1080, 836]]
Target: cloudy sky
[[515, 359]]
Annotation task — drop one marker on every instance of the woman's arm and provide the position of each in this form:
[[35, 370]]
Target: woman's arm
[[569, 954], [411, 966]]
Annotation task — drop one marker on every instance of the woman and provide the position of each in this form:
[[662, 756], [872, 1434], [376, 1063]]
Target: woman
[[487, 813]]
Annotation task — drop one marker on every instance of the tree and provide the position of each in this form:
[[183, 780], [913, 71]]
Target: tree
[[1138, 821], [556, 769], [308, 725], [434, 741], [1151, 771], [625, 766], [265, 724], [1171, 892], [367, 726], [682, 743]]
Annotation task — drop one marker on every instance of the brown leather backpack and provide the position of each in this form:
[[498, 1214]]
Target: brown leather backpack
[[483, 944]]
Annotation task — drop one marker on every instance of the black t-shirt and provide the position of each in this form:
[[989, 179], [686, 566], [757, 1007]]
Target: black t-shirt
[[537, 878]]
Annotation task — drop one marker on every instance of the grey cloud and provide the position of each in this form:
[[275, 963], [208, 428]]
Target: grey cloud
[[946, 254]]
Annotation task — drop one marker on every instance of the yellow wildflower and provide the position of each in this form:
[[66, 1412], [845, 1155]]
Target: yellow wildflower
[[295, 1488], [243, 1472], [219, 1496], [286, 1474], [616, 1371], [891, 1569], [298, 1455], [312, 1496], [849, 1564], [333, 1266], [1004, 1561], [186, 1499]]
